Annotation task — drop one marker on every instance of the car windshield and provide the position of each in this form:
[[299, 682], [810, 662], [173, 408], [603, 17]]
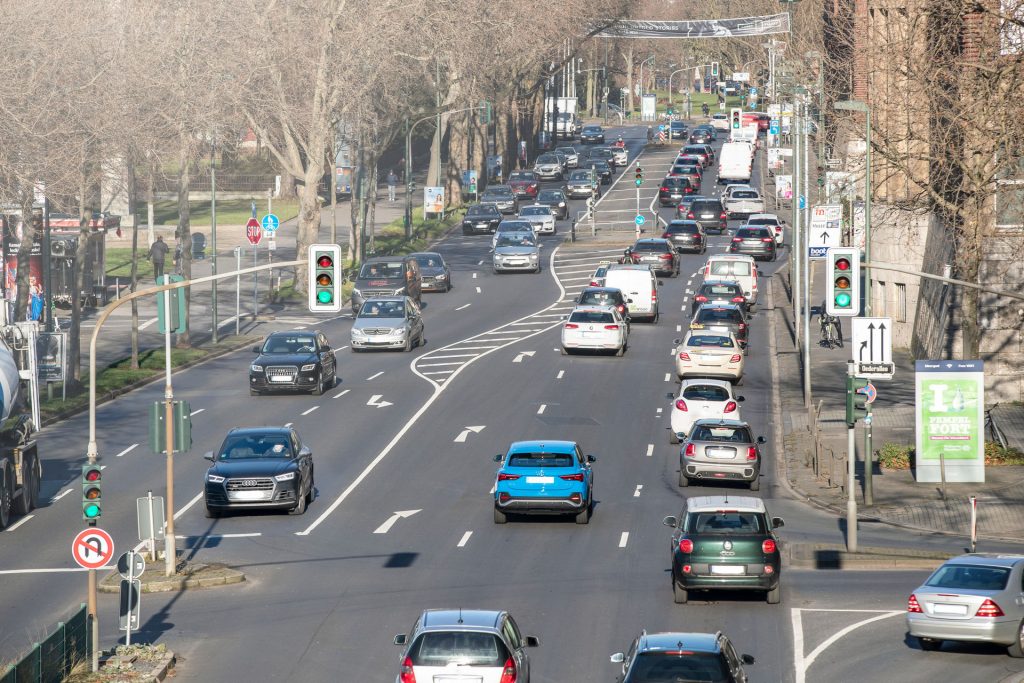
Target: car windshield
[[744, 194], [524, 239], [721, 290], [547, 159], [429, 260], [535, 211], [521, 175], [672, 666], [579, 175], [714, 315], [290, 343], [599, 299], [247, 446], [458, 648], [720, 434], [712, 341], [515, 226], [483, 211], [706, 392], [551, 196], [541, 460], [969, 577], [599, 165], [591, 317], [377, 271], [382, 309], [724, 522], [730, 268], [682, 227], [696, 150]]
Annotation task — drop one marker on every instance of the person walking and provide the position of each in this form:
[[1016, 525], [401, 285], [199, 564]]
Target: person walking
[[158, 254], [392, 183]]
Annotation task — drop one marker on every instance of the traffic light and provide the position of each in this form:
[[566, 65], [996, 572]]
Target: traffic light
[[842, 281], [324, 278], [485, 111], [639, 176], [856, 402], [735, 118], [714, 69], [92, 494]]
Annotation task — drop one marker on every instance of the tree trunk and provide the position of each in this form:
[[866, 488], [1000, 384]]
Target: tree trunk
[[29, 234], [184, 231], [78, 286], [309, 216], [627, 56], [371, 201]]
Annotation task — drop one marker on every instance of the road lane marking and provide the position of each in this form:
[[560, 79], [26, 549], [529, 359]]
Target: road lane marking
[[189, 504], [307, 412], [19, 523], [679, 328], [375, 376], [523, 354], [437, 365], [61, 495], [561, 374], [146, 324], [478, 290], [543, 407], [461, 438], [474, 277], [288, 424], [463, 307], [667, 376], [639, 488], [650, 449], [390, 522], [623, 539], [127, 450], [480, 262], [801, 663], [341, 393], [196, 412], [376, 401], [251, 534], [341, 348], [465, 539]]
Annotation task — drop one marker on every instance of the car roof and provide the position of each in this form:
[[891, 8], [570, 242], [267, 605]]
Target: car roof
[[732, 257], [989, 559], [592, 308], [730, 502], [651, 240], [610, 290], [463, 619], [702, 642], [259, 430], [696, 380], [550, 446], [763, 216], [384, 298], [432, 254]]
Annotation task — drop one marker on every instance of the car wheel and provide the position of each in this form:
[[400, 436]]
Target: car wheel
[[300, 507], [1015, 649], [755, 484], [774, 596], [680, 595], [684, 481], [318, 390], [212, 513], [583, 516], [408, 344], [499, 516]]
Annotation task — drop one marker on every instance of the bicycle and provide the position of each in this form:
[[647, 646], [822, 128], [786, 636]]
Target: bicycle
[[831, 332], [992, 430]]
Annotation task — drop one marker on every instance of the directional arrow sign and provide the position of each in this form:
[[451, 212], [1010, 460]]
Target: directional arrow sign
[[825, 230], [521, 355], [390, 522], [872, 348], [375, 400], [461, 438]]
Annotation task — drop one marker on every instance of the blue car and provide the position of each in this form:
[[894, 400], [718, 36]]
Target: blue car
[[544, 477]]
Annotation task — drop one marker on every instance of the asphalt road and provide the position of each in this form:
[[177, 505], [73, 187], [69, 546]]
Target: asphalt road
[[327, 591]]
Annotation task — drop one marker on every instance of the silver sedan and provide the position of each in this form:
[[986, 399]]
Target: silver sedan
[[393, 322]]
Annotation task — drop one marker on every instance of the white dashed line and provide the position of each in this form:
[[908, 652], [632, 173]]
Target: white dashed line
[[667, 376], [147, 323], [341, 393], [61, 495], [127, 450], [474, 276], [561, 374], [679, 328], [650, 449], [543, 407], [478, 290], [19, 523], [659, 411], [341, 348], [465, 539], [480, 262], [636, 493], [463, 307], [196, 412], [375, 376], [623, 539], [310, 410], [288, 424]]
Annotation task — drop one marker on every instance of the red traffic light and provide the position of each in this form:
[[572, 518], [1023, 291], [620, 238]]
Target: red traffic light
[[92, 474], [325, 261], [842, 264]]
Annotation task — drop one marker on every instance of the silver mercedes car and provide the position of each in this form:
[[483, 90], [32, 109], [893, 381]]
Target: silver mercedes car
[[393, 322]]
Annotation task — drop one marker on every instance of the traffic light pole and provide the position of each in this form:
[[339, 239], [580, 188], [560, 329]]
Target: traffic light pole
[[851, 473], [869, 498], [170, 547], [808, 399]]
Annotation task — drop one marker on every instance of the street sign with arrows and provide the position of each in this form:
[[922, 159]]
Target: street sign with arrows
[[825, 230], [872, 348]]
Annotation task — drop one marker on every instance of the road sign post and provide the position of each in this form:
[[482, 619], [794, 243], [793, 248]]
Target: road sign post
[[150, 521], [872, 348]]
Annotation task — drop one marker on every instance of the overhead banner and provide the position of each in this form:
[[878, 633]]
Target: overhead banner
[[950, 420], [700, 28]]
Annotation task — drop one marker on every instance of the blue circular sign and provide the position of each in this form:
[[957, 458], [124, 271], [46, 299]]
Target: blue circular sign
[[640, 220], [270, 222]]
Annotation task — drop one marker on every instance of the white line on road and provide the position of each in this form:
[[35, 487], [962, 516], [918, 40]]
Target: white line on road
[[437, 365], [480, 262], [341, 348], [561, 374], [146, 324], [478, 290], [61, 495], [461, 438], [375, 376], [189, 504], [623, 539], [679, 328], [801, 663], [288, 424], [307, 412], [668, 376], [543, 407], [251, 534], [19, 523], [463, 307], [439, 372], [639, 488], [659, 411], [465, 539], [650, 449], [474, 277], [341, 393], [127, 450], [196, 411]]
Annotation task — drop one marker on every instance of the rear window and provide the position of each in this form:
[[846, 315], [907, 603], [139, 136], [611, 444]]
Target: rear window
[[721, 290], [724, 522], [706, 392], [676, 228], [598, 299], [591, 317], [733, 268], [721, 434], [683, 665], [442, 649], [762, 221], [753, 232], [675, 182], [650, 246], [969, 577], [719, 315], [541, 460], [712, 341], [695, 149], [521, 175], [744, 194], [707, 207]]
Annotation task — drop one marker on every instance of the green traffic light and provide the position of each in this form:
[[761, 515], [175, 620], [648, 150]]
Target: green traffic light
[[324, 297], [842, 300], [91, 510]]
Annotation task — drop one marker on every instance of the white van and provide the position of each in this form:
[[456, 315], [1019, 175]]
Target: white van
[[638, 285], [738, 267], [735, 162], [745, 134]]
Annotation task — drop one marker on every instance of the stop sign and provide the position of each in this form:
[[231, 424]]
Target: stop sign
[[253, 231]]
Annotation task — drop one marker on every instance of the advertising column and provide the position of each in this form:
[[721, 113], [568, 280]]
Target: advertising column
[[950, 411]]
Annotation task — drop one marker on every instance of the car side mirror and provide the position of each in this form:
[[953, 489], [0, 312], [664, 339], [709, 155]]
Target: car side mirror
[[617, 658], [498, 457], [255, 349], [208, 456], [762, 440], [532, 641], [670, 521], [778, 521], [305, 451], [401, 639], [741, 399], [591, 458], [747, 659], [677, 341], [629, 301], [669, 396]]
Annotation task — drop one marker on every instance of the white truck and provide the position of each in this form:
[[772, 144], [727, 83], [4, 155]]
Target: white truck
[[568, 124], [736, 162], [20, 469]]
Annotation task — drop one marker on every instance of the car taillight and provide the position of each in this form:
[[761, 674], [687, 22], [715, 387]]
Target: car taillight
[[730, 406], [621, 308], [685, 545], [768, 546], [691, 451], [666, 256], [666, 235], [767, 239], [508, 477], [737, 299], [913, 606], [654, 295], [751, 453], [683, 355], [681, 405], [737, 239], [743, 326], [508, 672], [571, 326], [778, 229], [700, 297], [689, 215], [723, 216], [611, 327], [736, 358], [406, 675], [664, 188], [989, 609], [689, 190], [572, 477]]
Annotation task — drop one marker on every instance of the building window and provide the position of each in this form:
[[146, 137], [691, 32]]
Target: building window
[[1010, 204], [901, 302]]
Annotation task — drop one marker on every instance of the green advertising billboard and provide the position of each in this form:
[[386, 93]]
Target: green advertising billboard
[[950, 410]]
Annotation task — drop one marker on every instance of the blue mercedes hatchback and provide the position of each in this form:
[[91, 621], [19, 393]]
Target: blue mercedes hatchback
[[544, 477]]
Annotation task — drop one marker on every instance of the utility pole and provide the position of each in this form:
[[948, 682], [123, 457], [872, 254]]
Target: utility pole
[[807, 262], [851, 478], [170, 549], [213, 235]]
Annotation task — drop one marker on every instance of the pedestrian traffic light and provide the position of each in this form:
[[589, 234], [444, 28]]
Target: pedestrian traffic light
[[92, 493], [639, 176], [856, 400], [324, 278], [736, 118], [714, 69], [485, 111], [842, 281]]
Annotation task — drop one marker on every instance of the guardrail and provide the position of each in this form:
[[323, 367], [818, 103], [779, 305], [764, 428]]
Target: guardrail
[[53, 659]]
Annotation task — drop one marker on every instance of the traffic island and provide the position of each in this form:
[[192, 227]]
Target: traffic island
[[130, 663], [189, 575]]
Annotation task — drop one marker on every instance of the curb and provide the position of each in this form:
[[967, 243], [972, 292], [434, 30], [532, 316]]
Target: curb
[[161, 584], [157, 671], [824, 556]]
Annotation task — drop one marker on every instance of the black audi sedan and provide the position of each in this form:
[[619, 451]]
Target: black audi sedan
[[293, 361], [259, 468], [481, 218]]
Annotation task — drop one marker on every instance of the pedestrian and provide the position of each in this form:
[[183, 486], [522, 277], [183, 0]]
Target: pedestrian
[[392, 183], [158, 254]]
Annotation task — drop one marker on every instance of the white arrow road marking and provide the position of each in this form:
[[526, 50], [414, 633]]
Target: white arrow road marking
[[802, 664], [400, 514], [126, 451], [623, 539], [465, 539], [461, 438], [375, 400], [61, 495], [522, 354], [639, 488]]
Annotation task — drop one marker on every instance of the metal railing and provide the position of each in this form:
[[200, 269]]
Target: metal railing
[[53, 659]]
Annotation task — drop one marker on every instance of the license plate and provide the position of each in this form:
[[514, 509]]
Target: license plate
[[944, 608], [458, 679], [540, 480], [716, 328], [721, 453], [249, 495], [707, 215], [591, 334], [731, 569], [706, 358], [280, 378]]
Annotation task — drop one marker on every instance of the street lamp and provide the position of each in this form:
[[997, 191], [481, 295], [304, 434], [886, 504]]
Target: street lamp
[[858, 105], [671, 93], [641, 80]]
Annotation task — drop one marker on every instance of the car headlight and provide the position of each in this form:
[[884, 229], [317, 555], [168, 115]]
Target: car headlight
[[309, 367], [561, 204], [357, 332], [214, 478], [256, 368], [287, 476], [356, 292], [442, 276]]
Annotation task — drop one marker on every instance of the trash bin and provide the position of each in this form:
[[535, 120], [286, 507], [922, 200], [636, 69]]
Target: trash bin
[[198, 246]]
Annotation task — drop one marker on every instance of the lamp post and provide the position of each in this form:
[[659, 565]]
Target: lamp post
[[671, 93], [641, 81], [858, 105]]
